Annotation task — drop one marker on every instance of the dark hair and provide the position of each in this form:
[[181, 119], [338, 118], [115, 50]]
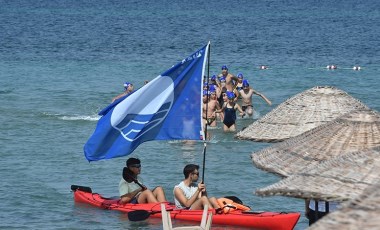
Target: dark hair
[[132, 161], [189, 169]]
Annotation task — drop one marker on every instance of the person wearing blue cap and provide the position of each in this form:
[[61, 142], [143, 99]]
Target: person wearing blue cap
[[205, 86], [239, 83], [229, 110], [246, 95], [210, 105], [213, 79], [128, 88], [221, 82], [230, 78]]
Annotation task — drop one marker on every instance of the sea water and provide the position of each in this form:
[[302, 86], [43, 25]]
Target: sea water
[[61, 62]]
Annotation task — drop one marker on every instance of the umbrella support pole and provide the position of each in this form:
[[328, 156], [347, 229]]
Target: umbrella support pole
[[316, 210]]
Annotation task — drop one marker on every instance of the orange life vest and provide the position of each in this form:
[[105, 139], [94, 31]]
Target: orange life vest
[[230, 206]]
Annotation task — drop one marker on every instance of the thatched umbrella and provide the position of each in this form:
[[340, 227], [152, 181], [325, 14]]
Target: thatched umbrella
[[358, 130], [301, 113], [361, 213], [338, 179]]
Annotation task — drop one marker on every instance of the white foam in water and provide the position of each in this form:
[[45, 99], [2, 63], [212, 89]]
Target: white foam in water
[[80, 118], [256, 115], [94, 117]]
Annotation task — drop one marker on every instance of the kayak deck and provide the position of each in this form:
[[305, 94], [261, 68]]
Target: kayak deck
[[260, 220]]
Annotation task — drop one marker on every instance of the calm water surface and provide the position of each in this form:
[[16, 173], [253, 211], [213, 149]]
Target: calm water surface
[[63, 61]]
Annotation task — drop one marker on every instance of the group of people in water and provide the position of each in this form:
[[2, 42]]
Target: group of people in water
[[221, 97], [187, 194]]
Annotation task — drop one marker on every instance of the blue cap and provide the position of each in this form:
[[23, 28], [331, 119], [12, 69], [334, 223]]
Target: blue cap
[[222, 79], [240, 75], [127, 84], [212, 88], [230, 95], [213, 78], [224, 67], [245, 83]]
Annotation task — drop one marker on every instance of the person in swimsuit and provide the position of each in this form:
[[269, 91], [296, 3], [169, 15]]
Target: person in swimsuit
[[239, 84], [214, 86], [128, 87], [213, 81], [246, 95], [223, 89], [229, 110], [224, 100], [230, 78], [131, 188], [210, 105]]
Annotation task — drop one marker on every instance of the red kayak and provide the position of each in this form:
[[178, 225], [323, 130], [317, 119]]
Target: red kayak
[[250, 219]]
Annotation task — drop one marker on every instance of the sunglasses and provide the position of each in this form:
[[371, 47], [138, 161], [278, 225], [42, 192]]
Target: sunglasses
[[135, 166], [195, 173]]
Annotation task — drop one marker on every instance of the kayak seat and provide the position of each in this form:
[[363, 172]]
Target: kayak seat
[[167, 221]]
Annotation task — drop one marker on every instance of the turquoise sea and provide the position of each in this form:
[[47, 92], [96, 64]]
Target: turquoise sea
[[62, 61]]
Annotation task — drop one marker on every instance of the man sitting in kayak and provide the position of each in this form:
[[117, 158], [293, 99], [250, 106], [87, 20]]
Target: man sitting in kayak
[[189, 195], [131, 187]]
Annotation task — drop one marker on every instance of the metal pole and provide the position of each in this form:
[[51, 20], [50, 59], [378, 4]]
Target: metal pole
[[208, 98]]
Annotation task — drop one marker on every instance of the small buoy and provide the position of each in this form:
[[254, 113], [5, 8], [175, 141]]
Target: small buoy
[[331, 67], [263, 67], [356, 68]]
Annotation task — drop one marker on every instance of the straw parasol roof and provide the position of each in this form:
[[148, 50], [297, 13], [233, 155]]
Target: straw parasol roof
[[338, 179], [355, 131], [361, 213], [301, 113]]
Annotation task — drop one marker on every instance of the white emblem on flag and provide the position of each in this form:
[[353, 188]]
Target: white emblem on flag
[[135, 113]]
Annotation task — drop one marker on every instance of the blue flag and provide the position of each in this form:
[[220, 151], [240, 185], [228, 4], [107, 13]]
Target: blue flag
[[167, 108]]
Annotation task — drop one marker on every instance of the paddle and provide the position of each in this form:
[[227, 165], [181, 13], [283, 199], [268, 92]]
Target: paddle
[[140, 215], [81, 188], [129, 178]]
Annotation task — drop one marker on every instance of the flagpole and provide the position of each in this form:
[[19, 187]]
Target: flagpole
[[208, 98]]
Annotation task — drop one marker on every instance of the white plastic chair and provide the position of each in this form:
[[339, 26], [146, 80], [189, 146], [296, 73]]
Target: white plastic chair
[[167, 220]]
